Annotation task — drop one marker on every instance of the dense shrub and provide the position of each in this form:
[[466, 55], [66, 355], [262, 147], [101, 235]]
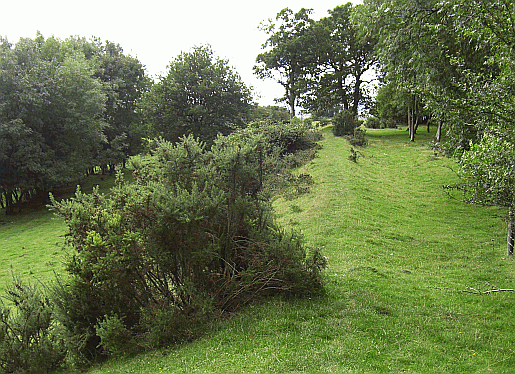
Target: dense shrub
[[285, 138], [344, 123], [359, 138], [29, 340], [194, 234], [373, 123]]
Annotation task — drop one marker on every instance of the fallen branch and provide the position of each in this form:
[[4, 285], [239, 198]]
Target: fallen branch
[[492, 289]]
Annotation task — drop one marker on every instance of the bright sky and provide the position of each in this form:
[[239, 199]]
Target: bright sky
[[156, 31]]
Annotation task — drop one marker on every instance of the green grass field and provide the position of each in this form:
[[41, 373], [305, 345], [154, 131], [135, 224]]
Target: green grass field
[[31, 244], [403, 262]]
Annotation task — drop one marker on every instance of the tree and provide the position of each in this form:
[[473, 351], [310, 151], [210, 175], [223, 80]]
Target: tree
[[50, 118], [344, 56], [201, 95], [289, 59], [269, 113], [125, 82]]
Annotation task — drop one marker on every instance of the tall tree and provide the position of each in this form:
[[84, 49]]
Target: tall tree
[[288, 58], [344, 56], [201, 95], [50, 118], [125, 82]]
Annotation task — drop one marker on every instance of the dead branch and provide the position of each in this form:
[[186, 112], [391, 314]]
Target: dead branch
[[491, 288]]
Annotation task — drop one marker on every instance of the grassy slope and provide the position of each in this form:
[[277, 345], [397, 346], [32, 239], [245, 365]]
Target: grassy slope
[[31, 243], [397, 248]]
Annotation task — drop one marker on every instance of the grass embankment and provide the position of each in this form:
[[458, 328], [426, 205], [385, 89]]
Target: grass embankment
[[399, 250]]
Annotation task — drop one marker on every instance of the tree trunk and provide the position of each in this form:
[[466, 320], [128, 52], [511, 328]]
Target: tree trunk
[[292, 108], [342, 93], [356, 96], [411, 124], [511, 234], [439, 131]]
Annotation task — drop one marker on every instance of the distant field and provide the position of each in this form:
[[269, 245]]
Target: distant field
[[403, 259], [31, 243]]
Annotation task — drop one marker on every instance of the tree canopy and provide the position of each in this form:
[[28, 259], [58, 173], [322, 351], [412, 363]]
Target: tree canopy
[[61, 113], [201, 95], [288, 58]]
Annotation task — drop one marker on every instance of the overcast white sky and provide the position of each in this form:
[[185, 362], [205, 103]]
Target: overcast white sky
[[157, 31]]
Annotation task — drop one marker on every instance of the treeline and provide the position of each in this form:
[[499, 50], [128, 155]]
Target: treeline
[[72, 107], [453, 61], [66, 108]]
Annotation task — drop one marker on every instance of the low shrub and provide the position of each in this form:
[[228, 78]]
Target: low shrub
[[29, 337], [344, 123], [373, 123], [359, 138]]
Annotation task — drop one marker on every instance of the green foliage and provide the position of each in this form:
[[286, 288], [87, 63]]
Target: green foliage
[[115, 338], [29, 339], [344, 123], [193, 234], [359, 138], [373, 122], [67, 107], [201, 95], [343, 56], [289, 59], [487, 172], [269, 114], [391, 106]]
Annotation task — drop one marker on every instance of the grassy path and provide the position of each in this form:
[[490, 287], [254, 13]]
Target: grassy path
[[398, 249]]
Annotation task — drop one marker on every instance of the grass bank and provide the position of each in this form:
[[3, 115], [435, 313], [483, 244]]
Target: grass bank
[[402, 256]]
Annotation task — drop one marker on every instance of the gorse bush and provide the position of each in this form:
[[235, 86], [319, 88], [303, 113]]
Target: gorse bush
[[193, 235], [359, 138], [285, 138], [29, 338], [344, 123]]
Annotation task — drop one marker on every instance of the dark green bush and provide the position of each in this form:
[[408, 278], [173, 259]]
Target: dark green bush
[[344, 123], [373, 123], [359, 138], [192, 236], [286, 138], [115, 338], [29, 338]]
